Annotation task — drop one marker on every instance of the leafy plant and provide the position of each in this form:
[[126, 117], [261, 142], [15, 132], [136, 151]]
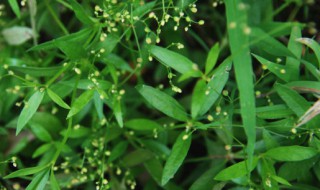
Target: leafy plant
[[164, 94]]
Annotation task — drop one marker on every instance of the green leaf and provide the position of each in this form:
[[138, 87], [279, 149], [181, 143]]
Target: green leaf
[[154, 168], [291, 153], [41, 150], [40, 132], [174, 60], [80, 102], [54, 97], [143, 125], [267, 169], [73, 50], [264, 41], [293, 65], [295, 102], [117, 112], [26, 171], [280, 180], [204, 96], [279, 70], [77, 132], [136, 157], [15, 7], [53, 182], [117, 151], [141, 10], [39, 181], [212, 58], [305, 86], [311, 43], [237, 170], [163, 102], [273, 112], [36, 71], [29, 110], [205, 182], [239, 45], [179, 152], [80, 12]]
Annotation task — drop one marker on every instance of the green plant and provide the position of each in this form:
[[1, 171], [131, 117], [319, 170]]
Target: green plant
[[101, 99]]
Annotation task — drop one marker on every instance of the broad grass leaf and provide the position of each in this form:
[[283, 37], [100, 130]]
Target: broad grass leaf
[[39, 181], [15, 7], [174, 60], [29, 110], [293, 65], [143, 125], [53, 182], [118, 151], [264, 41], [294, 101], [80, 102], [237, 170], [26, 171], [163, 102], [56, 98], [279, 70], [179, 152], [80, 12], [17, 35], [212, 58], [291, 153], [36, 71], [239, 45], [273, 112]]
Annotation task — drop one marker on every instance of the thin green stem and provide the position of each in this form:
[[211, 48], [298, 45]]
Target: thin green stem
[[56, 19]]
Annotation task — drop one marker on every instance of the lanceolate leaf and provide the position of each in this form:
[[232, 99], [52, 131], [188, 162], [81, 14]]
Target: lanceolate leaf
[[80, 102], [311, 44], [205, 95], [293, 65], [163, 102], [239, 42], [212, 58], [179, 152], [80, 12], [26, 171], [237, 170], [174, 60], [39, 181], [15, 7], [54, 97], [53, 182], [291, 153], [29, 110]]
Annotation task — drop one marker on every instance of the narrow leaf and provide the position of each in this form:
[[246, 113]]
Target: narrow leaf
[[39, 181], [163, 102], [293, 65], [291, 153], [174, 60], [237, 170], [239, 42], [313, 45], [29, 110], [80, 12], [15, 7], [179, 152], [80, 102], [54, 97], [25, 172], [143, 125], [53, 182], [212, 58]]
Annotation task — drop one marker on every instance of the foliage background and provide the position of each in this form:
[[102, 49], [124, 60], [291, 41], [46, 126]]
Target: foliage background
[[159, 94]]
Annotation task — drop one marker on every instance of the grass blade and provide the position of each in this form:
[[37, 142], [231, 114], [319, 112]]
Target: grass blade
[[239, 40]]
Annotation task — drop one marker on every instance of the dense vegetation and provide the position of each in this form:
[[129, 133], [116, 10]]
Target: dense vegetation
[[159, 94]]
